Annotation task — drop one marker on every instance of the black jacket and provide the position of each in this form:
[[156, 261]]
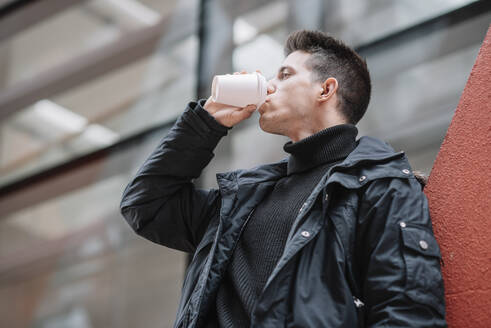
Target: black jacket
[[361, 252]]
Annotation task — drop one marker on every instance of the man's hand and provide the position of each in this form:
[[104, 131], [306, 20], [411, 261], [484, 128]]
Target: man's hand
[[229, 115]]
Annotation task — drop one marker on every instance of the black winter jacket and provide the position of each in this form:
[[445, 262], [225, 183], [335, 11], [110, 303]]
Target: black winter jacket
[[361, 252]]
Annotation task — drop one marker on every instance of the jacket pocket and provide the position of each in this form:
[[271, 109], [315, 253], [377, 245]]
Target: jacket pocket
[[424, 283]]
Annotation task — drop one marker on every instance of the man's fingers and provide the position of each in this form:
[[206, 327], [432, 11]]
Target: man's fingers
[[247, 109], [241, 72], [250, 108], [246, 112]]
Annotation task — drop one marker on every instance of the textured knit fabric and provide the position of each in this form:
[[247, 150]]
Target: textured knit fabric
[[263, 239]]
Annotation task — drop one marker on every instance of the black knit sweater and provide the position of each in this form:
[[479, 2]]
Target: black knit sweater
[[263, 239]]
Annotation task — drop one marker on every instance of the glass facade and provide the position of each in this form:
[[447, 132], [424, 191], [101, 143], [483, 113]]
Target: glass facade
[[87, 92], [96, 110], [116, 69]]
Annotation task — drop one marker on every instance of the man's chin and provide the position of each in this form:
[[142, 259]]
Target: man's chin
[[263, 123]]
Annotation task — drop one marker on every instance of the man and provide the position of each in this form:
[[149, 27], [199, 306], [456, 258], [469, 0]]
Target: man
[[337, 234]]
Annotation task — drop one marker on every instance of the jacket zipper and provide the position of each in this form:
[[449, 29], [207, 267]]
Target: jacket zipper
[[206, 269], [241, 230], [235, 245]]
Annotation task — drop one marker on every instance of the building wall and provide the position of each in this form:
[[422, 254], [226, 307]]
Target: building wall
[[458, 191]]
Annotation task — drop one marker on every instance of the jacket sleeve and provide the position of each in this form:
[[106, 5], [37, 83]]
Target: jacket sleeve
[[161, 202], [402, 285]]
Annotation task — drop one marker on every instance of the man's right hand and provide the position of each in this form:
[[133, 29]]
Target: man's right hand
[[229, 115]]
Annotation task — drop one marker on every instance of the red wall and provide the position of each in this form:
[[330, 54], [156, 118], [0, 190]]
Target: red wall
[[459, 193]]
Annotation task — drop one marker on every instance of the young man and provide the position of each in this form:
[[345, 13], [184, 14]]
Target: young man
[[337, 234]]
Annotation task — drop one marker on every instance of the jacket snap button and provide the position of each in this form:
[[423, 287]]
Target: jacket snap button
[[305, 233], [362, 178], [358, 303], [402, 224], [423, 244], [406, 171]]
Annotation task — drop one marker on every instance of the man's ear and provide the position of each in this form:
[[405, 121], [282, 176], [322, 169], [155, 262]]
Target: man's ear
[[329, 87]]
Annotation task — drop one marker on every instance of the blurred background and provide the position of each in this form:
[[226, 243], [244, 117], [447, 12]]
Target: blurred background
[[89, 88]]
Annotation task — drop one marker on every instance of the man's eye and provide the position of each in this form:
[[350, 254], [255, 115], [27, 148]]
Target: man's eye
[[284, 74]]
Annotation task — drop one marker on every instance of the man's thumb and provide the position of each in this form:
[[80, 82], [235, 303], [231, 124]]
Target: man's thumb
[[246, 112]]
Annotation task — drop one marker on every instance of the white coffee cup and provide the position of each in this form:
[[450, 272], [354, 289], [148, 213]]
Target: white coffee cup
[[239, 89]]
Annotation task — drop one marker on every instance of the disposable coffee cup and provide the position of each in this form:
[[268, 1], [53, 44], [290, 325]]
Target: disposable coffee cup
[[239, 90]]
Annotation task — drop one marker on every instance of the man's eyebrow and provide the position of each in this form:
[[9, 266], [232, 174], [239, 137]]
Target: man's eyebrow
[[284, 67]]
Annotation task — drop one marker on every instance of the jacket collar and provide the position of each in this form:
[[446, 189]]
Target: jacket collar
[[372, 158]]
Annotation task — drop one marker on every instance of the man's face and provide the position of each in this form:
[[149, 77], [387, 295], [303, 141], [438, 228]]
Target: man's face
[[291, 99]]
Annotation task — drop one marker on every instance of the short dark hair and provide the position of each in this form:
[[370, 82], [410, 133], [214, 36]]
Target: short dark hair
[[332, 58]]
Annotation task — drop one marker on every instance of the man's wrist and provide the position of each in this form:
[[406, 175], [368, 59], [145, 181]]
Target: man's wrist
[[209, 118]]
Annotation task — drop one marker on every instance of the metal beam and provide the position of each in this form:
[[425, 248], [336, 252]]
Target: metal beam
[[19, 15], [127, 49], [428, 40], [216, 44], [5, 3], [215, 55], [429, 26], [75, 173]]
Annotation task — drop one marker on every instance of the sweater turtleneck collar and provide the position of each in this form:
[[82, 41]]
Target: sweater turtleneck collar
[[326, 146]]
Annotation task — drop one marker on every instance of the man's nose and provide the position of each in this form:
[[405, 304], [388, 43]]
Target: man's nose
[[271, 87]]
